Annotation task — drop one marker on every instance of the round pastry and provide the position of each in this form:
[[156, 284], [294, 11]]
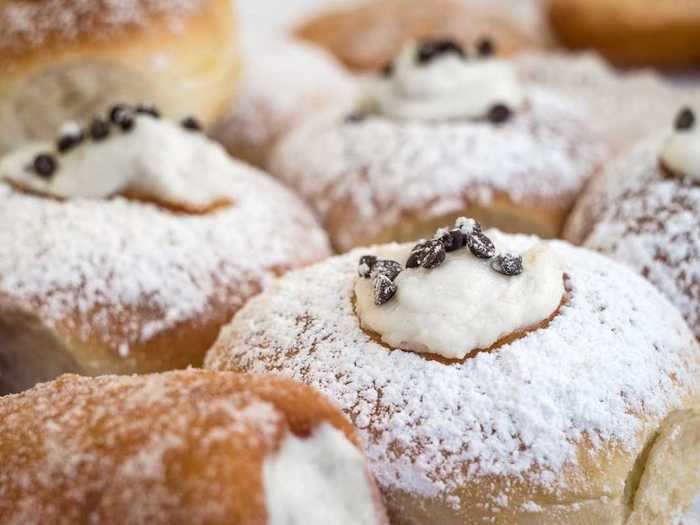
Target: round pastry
[[446, 131], [367, 35], [267, 108], [618, 101], [644, 210], [493, 378], [629, 32], [126, 245], [177, 448], [69, 59]]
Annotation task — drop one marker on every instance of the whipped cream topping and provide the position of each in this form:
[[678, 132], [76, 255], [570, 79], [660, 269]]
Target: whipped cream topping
[[155, 160], [461, 305], [318, 480], [681, 152], [448, 86]]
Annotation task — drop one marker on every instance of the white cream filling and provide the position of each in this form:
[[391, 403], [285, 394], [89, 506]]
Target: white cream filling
[[681, 153], [447, 87], [318, 480], [463, 304], [157, 159]]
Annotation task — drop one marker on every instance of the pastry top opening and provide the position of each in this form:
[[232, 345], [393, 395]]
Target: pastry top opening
[[439, 80], [453, 294], [130, 152]]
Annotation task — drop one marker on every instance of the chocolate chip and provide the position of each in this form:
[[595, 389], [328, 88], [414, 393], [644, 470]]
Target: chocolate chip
[[499, 113], [127, 123], [118, 112], [386, 267], [453, 239], [191, 124], [685, 120], [123, 116], [384, 289], [480, 245], [388, 69], [147, 109], [485, 47], [365, 265], [99, 129], [356, 116], [44, 165], [508, 264], [428, 254], [428, 50], [415, 258], [68, 141]]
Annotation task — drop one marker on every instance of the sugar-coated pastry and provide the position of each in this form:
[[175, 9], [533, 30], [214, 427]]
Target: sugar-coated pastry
[[180, 448], [367, 35], [630, 32], [644, 210], [284, 81], [445, 131], [125, 245], [65, 60], [625, 105], [493, 378]]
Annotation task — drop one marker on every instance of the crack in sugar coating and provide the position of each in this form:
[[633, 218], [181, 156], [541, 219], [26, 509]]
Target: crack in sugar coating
[[380, 169], [616, 349], [125, 271], [635, 214]]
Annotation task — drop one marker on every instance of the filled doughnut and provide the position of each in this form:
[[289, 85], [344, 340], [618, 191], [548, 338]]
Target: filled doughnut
[[180, 448], [284, 81], [644, 210], [630, 32], [125, 244], [66, 60], [493, 378], [367, 35], [625, 105], [445, 131]]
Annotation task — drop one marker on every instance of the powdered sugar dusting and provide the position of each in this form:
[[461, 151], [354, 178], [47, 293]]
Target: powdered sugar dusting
[[66, 435], [266, 108], [382, 168], [125, 271], [427, 427], [636, 215], [28, 23], [618, 103]]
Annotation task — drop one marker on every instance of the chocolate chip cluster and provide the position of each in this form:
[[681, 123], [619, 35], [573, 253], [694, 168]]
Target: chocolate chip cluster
[[120, 117], [432, 253], [430, 49]]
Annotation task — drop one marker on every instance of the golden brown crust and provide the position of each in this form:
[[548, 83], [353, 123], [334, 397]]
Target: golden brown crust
[[665, 33], [542, 217], [368, 35], [186, 61], [379, 179], [182, 447]]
